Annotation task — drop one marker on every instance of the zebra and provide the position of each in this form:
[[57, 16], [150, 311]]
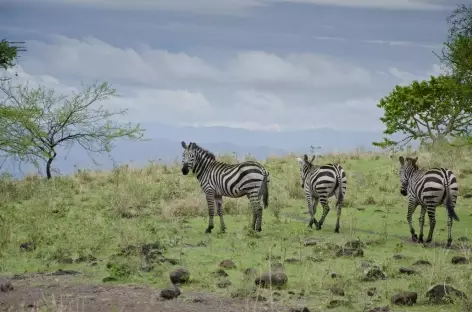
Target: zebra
[[218, 179], [320, 183], [428, 188]]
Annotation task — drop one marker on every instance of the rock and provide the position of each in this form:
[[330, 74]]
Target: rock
[[405, 298], [227, 264], [6, 285], [169, 293], [371, 291], [334, 275], [224, 283], [366, 264], [407, 271], [398, 257], [28, 246], [374, 274], [338, 291], [291, 260], [336, 303], [380, 309], [180, 276], [64, 272], [259, 298], [300, 309], [354, 244], [250, 271], [351, 252], [272, 257], [459, 260], [422, 262], [274, 278], [310, 242], [220, 273], [314, 259], [443, 293], [468, 195], [463, 239]]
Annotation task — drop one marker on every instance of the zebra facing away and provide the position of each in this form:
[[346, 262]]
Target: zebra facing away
[[320, 183], [219, 179], [428, 188]]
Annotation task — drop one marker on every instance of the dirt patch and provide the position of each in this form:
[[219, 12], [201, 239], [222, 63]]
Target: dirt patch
[[61, 293]]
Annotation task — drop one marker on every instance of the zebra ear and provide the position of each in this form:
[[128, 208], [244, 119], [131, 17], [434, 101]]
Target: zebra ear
[[402, 160], [312, 158], [184, 145], [414, 160], [305, 157], [300, 161]]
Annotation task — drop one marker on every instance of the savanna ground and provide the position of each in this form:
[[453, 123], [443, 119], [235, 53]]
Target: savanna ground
[[104, 224]]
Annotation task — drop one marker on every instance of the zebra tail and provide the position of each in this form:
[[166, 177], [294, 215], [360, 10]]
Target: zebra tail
[[264, 191], [449, 205], [340, 187]]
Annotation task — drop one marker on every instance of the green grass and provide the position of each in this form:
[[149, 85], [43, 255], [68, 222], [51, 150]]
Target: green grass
[[99, 213]]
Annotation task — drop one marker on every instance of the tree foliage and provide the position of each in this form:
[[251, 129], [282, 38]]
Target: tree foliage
[[433, 109], [8, 53], [34, 122]]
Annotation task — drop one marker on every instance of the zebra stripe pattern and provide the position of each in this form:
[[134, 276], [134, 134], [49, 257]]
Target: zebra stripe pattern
[[218, 179], [321, 183], [428, 188]]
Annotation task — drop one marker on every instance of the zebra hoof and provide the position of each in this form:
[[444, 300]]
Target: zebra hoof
[[429, 240], [259, 230], [336, 230], [208, 230], [414, 238]]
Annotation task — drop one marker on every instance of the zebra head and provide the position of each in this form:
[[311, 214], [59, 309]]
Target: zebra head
[[188, 157], [305, 166], [407, 168]]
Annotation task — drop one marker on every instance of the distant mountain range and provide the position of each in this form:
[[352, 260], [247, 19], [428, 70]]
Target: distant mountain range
[[164, 145]]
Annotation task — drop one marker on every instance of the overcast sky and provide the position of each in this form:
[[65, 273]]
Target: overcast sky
[[254, 64]]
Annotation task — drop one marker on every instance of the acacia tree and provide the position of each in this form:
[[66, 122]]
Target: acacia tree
[[40, 120], [430, 110]]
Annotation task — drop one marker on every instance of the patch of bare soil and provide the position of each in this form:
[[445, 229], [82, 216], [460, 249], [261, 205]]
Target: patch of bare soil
[[62, 293]]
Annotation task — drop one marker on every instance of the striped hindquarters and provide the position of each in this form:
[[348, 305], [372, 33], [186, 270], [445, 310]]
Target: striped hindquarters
[[234, 180], [323, 180], [431, 187]]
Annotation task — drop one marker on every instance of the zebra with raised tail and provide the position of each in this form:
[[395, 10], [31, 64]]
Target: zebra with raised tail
[[218, 179], [321, 182], [428, 188]]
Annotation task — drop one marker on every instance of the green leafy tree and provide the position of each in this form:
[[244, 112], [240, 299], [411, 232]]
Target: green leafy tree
[[9, 52], [430, 110], [36, 121]]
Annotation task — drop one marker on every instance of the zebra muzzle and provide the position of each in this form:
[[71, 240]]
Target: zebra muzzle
[[185, 170]]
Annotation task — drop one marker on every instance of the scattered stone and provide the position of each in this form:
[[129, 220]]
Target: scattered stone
[[379, 211], [6, 285], [291, 260], [405, 298], [227, 264], [277, 279], [374, 274], [351, 252], [334, 275], [338, 291], [354, 244], [407, 271], [220, 273], [180, 276], [310, 242], [272, 257], [277, 266], [463, 239], [380, 309], [250, 271], [65, 272], [169, 293], [198, 300], [336, 303], [398, 257], [88, 258], [291, 292], [224, 283], [259, 298], [459, 260], [371, 291], [468, 195], [276, 293], [28, 246], [300, 309], [422, 262], [314, 259], [441, 293], [366, 264]]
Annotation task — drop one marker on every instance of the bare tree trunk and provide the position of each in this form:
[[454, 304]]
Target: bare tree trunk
[[48, 165]]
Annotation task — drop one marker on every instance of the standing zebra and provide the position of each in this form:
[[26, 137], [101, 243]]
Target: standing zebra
[[428, 188], [219, 179], [320, 183]]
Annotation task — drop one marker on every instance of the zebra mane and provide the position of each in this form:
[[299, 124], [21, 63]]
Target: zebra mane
[[202, 150]]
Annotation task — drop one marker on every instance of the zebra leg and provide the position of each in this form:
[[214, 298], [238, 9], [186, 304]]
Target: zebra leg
[[256, 213], [312, 202], [324, 203], [449, 232], [432, 222], [338, 215], [412, 204], [422, 215], [219, 211], [210, 198]]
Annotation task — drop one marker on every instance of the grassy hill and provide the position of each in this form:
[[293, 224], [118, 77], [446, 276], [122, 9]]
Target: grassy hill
[[97, 223]]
